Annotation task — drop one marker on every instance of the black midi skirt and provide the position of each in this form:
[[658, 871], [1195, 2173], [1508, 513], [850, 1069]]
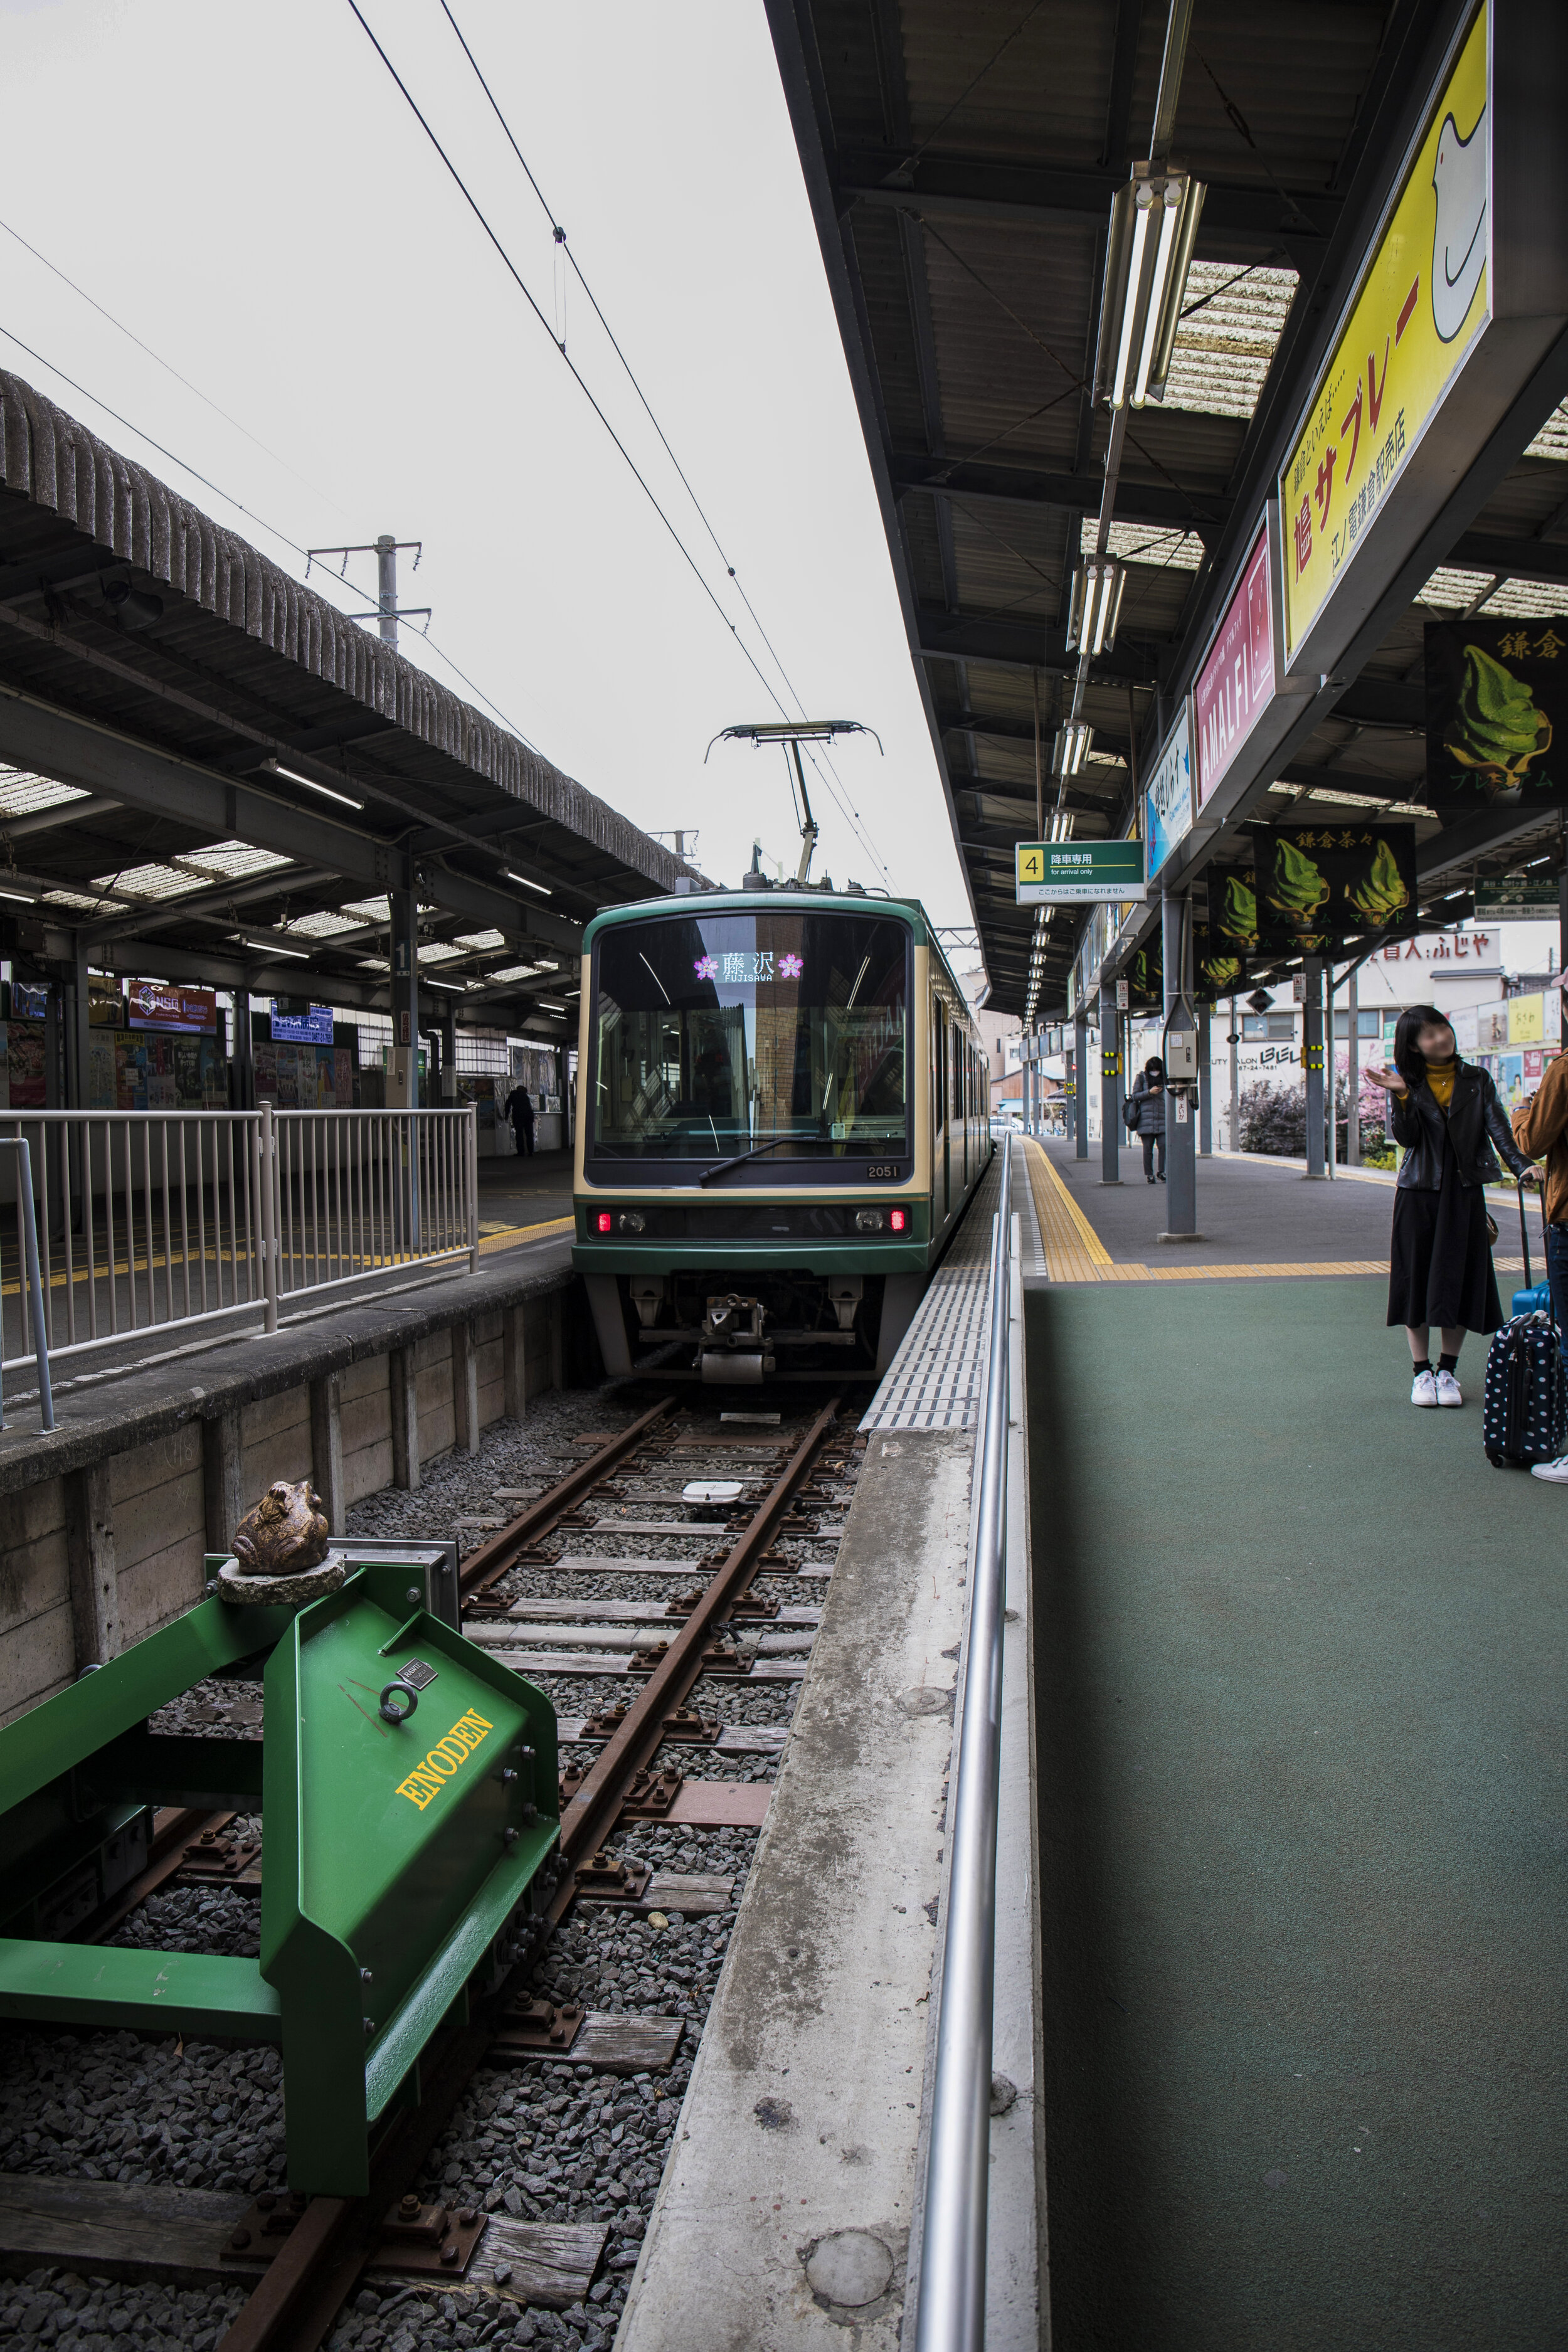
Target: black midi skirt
[[1441, 1272]]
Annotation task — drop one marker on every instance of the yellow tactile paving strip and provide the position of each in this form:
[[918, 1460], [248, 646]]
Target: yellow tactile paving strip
[[1075, 1252]]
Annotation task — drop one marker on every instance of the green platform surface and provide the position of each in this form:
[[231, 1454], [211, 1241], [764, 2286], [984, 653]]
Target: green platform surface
[[1303, 1790]]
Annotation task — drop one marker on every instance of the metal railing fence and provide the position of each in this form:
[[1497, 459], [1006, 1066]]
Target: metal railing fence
[[164, 1219], [950, 2311]]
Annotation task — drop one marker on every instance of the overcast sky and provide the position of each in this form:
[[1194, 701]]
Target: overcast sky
[[244, 187]]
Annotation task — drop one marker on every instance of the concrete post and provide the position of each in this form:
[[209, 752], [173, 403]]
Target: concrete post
[[327, 1449], [1110, 1089], [514, 1363], [449, 1059], [243, 1055], [403, 1387], [1312, 1056], [465, 1389], [76, 1028], [1181, 1128], [1206, 1087], [1081, 1084], [90, 1565], [222, 1478]]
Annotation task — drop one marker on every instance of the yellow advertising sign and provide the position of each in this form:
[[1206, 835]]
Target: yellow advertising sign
[[1526, 1021], [1424, 299]]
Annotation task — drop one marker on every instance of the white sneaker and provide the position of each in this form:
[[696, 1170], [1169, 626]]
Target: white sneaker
[[1554, 1473], [1423, 1388], [1449, 1390]]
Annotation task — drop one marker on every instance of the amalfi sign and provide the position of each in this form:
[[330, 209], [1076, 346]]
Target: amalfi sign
[[1072, 873]]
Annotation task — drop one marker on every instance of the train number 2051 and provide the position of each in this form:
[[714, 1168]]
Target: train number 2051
[[888, 1168]]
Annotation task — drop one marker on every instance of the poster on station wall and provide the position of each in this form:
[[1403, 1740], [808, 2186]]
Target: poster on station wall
[[1423, 305], [1317, 884], [1168, 802], [1235, 684], [1497, 714]]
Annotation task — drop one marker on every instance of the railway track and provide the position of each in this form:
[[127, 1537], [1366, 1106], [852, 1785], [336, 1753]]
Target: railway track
[[721, 1628]]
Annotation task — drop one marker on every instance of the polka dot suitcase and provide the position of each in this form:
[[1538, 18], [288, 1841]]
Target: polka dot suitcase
[[1524, 1411]]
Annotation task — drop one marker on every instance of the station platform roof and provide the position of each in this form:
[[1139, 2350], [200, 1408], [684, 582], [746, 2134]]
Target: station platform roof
[[218, 777], [962, 165]]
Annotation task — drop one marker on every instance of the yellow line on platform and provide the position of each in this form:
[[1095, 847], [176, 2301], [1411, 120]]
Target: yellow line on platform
[[1075, 1252], [510, 1237]]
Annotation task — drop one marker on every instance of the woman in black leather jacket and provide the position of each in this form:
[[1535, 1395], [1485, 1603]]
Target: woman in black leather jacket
[[1448, 1117]]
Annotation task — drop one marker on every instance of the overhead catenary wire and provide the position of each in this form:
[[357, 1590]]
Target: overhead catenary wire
[[833, 783], [258, 521], [168, 367]]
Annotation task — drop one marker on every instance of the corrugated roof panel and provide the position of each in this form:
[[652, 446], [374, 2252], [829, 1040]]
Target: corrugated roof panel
[[1139, 543], [1551, 441], [149, 882], [1231, 324], [1449, 590], [1007, 80], [1010, 310], [227, 860], [21, 792]]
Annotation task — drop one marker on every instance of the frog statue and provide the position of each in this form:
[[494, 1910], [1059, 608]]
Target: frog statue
[[285, 1534], [280, 1552]]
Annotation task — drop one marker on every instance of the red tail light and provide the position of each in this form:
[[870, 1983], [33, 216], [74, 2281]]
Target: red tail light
[[899, 1220], [604, 1221]]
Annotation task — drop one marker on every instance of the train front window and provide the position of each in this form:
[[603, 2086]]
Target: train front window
[[714, 1033]]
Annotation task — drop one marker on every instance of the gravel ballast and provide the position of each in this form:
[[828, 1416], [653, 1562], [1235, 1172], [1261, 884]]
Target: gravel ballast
[[547, 2140]]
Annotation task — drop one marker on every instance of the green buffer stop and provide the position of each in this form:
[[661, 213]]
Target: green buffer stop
[[407, 1784]]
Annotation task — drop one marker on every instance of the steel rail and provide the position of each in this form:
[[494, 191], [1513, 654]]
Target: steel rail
[[293, 2307], [493, 1558], [951, 2308], [592, 1812]]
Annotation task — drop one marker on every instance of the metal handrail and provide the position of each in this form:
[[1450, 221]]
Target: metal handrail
[[171, 1220], [951, 2314]]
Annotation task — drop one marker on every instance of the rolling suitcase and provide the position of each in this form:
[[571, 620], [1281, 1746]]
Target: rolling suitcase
[[1524, 1412], [1535, 1297]]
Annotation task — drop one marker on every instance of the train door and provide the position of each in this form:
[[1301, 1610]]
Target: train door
[[944, 1081], [939, 1111], [960, 1053]]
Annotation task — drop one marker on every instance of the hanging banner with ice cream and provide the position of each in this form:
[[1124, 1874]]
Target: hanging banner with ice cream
[[1315, 885], [1497, 714]]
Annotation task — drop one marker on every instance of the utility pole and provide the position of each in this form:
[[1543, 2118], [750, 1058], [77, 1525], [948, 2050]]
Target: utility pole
[[387, 611]]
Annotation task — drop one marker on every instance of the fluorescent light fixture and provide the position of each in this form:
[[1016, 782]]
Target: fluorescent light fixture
[[23, 897], [549, 1008], [450, 987], [312, 786], [1142, 206], [527, 884], [1097, 590], [1070, 749], [1153, 227], [270, 947]]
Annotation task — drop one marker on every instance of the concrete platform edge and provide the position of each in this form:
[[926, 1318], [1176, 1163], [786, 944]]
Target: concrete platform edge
[[801, 2121]]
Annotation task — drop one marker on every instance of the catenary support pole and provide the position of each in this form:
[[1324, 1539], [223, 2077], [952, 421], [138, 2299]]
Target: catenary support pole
[[1110, 1089], [1081, 1084], [1180, 1201], [1313, 1061], [1205, 1090], [386, 587]]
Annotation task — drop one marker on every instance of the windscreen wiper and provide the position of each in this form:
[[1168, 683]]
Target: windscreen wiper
[[740, 1157]]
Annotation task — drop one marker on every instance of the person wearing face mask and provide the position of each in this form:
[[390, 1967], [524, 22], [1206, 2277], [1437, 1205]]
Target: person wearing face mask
[[1448, 1117]]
